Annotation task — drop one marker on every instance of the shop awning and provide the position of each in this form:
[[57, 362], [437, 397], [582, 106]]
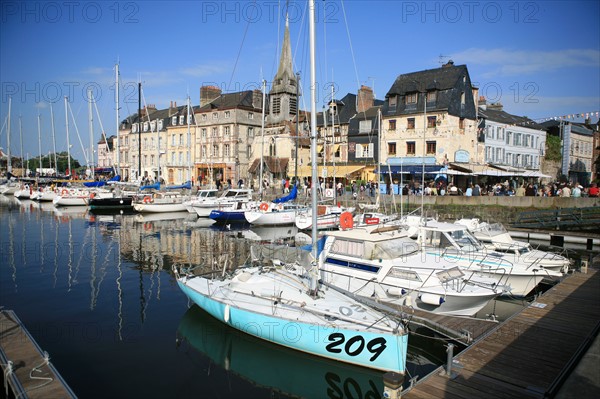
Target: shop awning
[[410, 169], [340, 171]]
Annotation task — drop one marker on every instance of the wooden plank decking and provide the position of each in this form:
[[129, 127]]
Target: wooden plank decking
[[529, 355], [32, 376]]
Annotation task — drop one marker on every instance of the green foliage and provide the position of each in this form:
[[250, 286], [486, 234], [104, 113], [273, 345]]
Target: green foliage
[[61, 158], [553, 146]]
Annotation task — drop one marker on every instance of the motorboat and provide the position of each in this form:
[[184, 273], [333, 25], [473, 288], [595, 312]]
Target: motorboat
[[496, 238], [453, 242], [328, 217], [201, 196], [384, 264], [229, 196]]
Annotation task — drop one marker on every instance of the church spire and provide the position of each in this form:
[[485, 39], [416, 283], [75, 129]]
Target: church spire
[[282, 96], [285, 72]]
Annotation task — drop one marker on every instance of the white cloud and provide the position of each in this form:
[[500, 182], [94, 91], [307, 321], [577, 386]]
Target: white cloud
[[506, 62]]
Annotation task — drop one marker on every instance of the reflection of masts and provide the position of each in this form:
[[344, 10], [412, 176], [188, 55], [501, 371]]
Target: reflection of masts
[[55, 254], [11, 248], [141, 272], [70, 257], [102, 270], [119, 289]]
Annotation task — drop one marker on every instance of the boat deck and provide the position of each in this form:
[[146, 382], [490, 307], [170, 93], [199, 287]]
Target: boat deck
[[531, 354], [32, 376]]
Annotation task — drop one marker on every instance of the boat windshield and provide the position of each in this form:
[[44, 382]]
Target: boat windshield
[[392, 249], [465, 240]]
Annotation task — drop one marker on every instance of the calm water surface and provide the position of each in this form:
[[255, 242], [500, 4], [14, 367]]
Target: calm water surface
[[97, 293]]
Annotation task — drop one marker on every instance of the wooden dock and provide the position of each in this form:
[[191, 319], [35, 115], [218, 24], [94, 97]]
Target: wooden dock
[[27, 370], [530, 354]]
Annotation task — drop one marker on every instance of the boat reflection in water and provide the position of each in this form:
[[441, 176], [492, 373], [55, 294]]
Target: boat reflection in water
[[288, 371]]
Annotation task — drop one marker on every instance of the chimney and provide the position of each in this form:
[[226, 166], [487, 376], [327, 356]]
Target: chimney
[[365, 99], [208, 94], [449, 64], [495, 106], [148, 109], [257, 98]]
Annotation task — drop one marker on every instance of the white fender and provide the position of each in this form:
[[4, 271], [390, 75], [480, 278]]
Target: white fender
[[431, 299]]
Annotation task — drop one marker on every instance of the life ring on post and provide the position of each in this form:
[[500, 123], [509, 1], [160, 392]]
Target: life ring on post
[[264, 207], [147, 199], [346, 221]]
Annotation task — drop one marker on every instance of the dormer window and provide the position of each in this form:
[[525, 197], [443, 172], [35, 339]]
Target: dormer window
[[411, 98], [145, 126], [181, 120], [431, 96], [160, 124], [392, 101], [173, 121]]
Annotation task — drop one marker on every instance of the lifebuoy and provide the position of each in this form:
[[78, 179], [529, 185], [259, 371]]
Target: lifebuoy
[[147, 199], [264, 206], [64, 192], [346, 221]]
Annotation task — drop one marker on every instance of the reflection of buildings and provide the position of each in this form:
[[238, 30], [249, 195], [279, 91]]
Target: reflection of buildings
[[157, 244]]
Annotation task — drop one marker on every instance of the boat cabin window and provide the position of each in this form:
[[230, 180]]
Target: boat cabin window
[[392, 249], [347, 247], [403, 274]]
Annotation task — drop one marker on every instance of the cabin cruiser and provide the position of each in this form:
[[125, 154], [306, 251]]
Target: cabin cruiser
[[495, 237], [454, 243], [384, 264], [228, 198], [201, 196]]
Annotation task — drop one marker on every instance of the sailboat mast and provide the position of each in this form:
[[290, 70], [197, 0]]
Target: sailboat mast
[[8, 160], [40, 141], [53, 138], [21, 139], [118, 147], [189, 142], [68, 143], [91, 127], [313, 126], [331, 111], [139, 176], [262, 135]]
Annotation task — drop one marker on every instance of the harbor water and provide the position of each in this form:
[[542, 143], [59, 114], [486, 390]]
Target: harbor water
[[97, 293]]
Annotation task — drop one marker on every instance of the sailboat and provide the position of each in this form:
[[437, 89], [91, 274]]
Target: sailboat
[[286, 305]]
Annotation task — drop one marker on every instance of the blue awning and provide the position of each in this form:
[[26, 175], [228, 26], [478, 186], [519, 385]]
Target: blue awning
[[410, 169]]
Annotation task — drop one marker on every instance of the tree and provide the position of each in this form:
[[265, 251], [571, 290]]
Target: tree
[[553, 148]]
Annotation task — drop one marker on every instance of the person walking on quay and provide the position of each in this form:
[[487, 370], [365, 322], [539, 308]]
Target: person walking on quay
[[576, 192], [593, 190], [476, 191], [566, 191]]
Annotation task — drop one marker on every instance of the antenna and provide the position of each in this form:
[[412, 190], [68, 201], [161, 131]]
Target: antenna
[[443, 59]]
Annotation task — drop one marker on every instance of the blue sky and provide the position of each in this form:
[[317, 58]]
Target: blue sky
[[540, 59]]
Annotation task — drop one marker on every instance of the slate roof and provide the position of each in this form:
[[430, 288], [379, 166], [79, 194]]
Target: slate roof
[[448, 83], [578, 128], [346, 110], [273, 165], [241, 99], [509, 119]]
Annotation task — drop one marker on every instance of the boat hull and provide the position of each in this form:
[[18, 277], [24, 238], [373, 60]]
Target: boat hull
[[224, 217], [320, 340], [108, 204], [159, 208]]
